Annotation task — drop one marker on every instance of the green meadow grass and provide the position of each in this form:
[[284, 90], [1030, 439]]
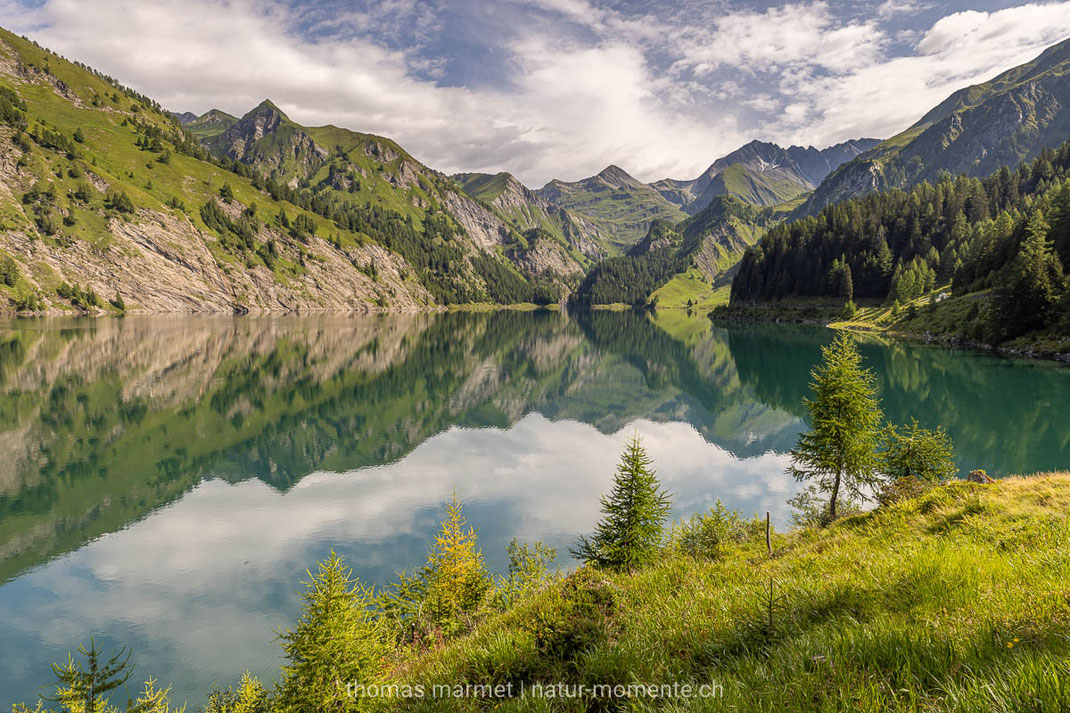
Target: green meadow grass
[[957, 600]]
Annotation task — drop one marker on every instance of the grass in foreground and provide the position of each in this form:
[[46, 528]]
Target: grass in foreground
[[955, 600]]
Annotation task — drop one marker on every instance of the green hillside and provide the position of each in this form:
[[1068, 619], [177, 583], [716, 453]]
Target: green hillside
[[105, 197], [108, 199], [210, 123], [975, 131], [690, 261], [952, 600], [621, 207]]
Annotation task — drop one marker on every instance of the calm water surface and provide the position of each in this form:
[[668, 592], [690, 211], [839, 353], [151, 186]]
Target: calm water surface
[[164, 483]]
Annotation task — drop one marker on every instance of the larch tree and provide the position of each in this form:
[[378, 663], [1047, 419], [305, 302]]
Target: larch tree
[[337, 642], [839, 452]]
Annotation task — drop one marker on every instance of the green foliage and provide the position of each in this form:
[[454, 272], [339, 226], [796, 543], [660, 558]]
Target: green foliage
[[899, 244], [1030, 285], [840, 450], [119, 201], [573, 617], [336, 643], [84, 685], [711, 534], [446, 592], [915, 452], [630, 532], [9, 271], [226, 193], [82, 297], [529, 567], [249, 697]]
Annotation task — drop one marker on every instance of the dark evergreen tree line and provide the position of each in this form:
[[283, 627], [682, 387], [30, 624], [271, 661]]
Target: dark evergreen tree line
[[899, 244]]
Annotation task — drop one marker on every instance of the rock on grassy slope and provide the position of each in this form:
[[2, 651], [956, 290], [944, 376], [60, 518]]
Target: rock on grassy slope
[[955, 600]]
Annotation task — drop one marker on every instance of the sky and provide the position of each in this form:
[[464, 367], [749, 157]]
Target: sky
[[555, 88]]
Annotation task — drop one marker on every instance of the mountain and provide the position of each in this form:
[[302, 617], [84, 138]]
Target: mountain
[[184, 117], [527, 212], [761, 173], [343, 168], [619, 207], [975, 131], [109, 204], [208, 124], [687, 264]]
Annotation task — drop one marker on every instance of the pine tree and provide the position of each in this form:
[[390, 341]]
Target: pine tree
[[84, 686], [839, 453], [1030, 284], [917, 452], [337, 642], [629, 534]]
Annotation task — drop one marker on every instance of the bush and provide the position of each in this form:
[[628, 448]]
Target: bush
[[902, 489], [917, 452], [119, 201], [9, 271], [709, 534], [575, 616], [529, 566]]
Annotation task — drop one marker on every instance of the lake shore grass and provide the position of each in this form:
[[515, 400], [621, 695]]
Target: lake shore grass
[[935, 317], [954, 600]]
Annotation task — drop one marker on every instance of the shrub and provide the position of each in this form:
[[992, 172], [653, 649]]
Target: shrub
[[902, 489], [575, 616], [119, 201], [917, 452], [709, 534], [9, 271]]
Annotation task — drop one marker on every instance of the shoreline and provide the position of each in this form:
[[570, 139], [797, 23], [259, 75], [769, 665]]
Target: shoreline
[[819, 315]]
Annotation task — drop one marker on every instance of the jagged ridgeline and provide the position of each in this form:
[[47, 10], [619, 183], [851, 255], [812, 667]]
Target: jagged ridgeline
[[109, 204]]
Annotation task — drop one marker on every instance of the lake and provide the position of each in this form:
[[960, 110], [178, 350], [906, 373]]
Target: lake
[[166, 481]]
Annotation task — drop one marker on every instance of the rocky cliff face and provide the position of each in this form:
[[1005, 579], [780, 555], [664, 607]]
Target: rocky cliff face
[[266, 138], [761, 174]]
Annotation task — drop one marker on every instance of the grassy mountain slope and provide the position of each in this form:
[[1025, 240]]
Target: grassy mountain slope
[[341, 171], [620, 207], [105, 198], [210, 123], [696, 256], [953, 600], [975, 131], [534, 217]]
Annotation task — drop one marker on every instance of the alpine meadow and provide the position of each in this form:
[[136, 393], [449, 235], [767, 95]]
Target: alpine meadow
[[366, 357]]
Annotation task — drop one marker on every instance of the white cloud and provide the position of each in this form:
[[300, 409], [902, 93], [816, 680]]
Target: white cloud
[[886, 96], [585, 83], [896, 8]]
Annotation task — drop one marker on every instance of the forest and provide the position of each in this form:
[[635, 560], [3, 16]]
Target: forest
[[1007, 236]]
